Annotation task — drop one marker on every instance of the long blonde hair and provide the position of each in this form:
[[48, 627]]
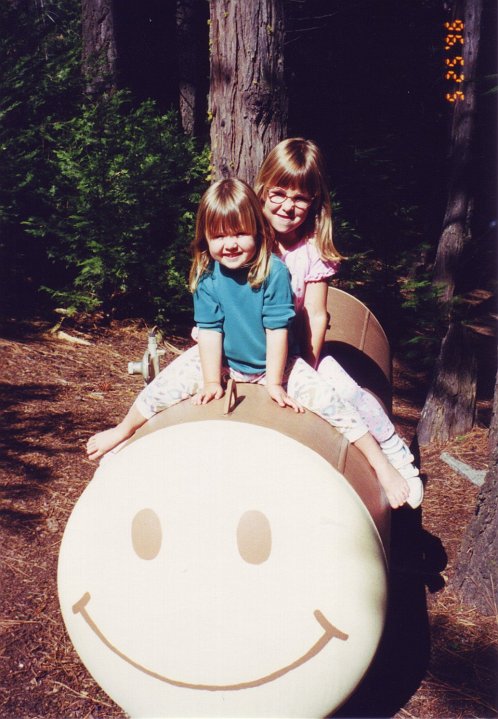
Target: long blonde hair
[[230, 207], [298, 164]]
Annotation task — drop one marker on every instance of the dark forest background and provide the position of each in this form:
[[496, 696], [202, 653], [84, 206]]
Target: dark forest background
[[98, 194]]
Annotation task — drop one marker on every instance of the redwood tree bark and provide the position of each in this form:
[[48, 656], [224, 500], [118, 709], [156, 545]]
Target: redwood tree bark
[[476, 570], [248, 101], [99, 46], [450, 405]]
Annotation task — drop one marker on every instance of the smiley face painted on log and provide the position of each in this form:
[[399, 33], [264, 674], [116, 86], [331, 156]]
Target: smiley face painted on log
[[222, 569]]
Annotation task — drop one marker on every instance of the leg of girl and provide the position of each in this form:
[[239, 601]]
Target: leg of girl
[[373, 415], [316, 394], [182, 378]]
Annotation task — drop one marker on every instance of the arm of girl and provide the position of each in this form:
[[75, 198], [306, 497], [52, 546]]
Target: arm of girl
[[316, 319], [276, 357], [210, 350]]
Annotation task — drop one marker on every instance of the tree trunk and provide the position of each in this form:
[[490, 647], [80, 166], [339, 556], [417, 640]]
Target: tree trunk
[[99, 47], [450, 405], [456, 224], [248, 101], [191, 21], [476, 570]]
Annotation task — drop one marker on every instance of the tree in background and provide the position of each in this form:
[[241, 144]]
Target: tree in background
[[476, 571], [40, 56], [99, 53], [97, 192], [125, 185], [450, 405], [340, 62], [248, 102], [191, 25]]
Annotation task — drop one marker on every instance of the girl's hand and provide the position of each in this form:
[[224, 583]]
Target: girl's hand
[[211, 390], [280, 396]]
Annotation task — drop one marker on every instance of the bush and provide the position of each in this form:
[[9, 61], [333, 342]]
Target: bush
[[39, 82], [97, 200], [119, 211]]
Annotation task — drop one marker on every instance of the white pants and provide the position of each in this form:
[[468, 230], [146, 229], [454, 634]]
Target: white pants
[[369, 408], [314, 390]]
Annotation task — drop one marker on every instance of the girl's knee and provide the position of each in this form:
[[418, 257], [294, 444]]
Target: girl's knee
[[332, 372]]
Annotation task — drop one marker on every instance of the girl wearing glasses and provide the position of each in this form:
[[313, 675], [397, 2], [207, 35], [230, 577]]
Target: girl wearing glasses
[[232, 239], [296, 202], [243, 308]]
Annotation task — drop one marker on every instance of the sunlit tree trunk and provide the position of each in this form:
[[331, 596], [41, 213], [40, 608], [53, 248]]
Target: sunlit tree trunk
[[450, 405], [248, 102], [476, 571], [99, 46]]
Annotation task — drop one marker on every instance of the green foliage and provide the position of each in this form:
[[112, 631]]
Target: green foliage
[[394, 283], [97, 200], [125, 184], [422, 317], [39, 81]]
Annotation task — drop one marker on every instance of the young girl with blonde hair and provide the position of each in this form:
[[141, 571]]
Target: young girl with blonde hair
[[295, 198], [243, 308], [233, 270]]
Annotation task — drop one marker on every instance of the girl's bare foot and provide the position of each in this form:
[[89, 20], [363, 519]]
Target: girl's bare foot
[[401, 485], [394, 485], [102, 442]]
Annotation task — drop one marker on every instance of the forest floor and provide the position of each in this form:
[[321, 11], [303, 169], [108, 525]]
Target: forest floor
[[437, 657]]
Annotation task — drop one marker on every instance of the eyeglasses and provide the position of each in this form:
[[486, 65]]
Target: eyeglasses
[[279, 196]]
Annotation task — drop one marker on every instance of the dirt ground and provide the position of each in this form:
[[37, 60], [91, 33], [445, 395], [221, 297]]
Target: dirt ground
[[437, 658]]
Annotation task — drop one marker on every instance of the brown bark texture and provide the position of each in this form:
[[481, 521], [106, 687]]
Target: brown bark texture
[[458, 214], [248, 101], [99, 53], [449, 409], [476, 571]]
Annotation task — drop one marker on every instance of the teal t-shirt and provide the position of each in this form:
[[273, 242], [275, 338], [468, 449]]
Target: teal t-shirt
[[225, 302]]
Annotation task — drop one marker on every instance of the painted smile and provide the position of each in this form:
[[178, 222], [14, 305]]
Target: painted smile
[[330, 632]]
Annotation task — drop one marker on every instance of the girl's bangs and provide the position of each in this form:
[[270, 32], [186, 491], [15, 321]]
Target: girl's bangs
[[231, 221], [299, 180]]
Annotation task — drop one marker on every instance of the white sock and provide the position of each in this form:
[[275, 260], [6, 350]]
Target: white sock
[[416, 492], [397, 451], [408, 471]]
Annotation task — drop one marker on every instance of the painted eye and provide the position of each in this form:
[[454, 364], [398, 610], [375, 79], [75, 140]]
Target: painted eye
[[146, 534], [254, 537]]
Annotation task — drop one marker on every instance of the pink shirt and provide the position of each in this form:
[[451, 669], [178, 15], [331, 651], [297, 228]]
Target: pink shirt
[[305, 265]]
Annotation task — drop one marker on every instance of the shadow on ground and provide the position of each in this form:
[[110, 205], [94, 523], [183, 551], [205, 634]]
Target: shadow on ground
[[417, 559], [24, 434], [31, 440]]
